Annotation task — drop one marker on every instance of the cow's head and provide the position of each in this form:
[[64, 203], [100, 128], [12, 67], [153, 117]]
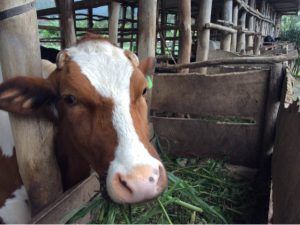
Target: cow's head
[[96, 95]]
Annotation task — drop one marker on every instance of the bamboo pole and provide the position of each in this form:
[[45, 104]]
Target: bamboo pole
[[20, 55], [113, 22], [185, 33], [68, 35], [204, 15], [227, 16], [235, 23], [147, 28]]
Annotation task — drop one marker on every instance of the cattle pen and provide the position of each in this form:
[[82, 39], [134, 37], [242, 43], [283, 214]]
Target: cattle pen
[[219, 90]]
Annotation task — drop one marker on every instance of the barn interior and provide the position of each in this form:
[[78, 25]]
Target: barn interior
[[222, 85]]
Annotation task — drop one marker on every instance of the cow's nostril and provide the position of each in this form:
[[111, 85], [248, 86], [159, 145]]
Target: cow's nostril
[[151, 179], [124, 184]]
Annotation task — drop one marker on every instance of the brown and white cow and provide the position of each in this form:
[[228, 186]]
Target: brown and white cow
[[96, 99]]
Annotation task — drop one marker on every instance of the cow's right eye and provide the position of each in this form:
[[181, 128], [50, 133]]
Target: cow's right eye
[[70, 99]]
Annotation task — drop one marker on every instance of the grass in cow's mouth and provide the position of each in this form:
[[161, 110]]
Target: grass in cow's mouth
[[198, 192]]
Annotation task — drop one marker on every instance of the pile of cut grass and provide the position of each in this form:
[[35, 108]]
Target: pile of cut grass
[[198, 192]]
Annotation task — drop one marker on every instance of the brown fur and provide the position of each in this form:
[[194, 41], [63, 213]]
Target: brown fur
[[8, 167]]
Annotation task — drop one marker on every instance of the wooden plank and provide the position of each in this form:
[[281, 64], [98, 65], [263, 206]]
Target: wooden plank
[[237, 143], [69, 201], [20, 55], [234, 94], [285, 168]]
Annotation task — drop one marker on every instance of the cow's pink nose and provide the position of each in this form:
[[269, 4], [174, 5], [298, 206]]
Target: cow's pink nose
[[141, 184]]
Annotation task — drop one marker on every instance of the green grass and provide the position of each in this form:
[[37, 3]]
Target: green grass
[[198, 192]]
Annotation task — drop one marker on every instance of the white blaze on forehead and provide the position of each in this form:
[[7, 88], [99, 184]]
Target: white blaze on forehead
[[16, 209], [109, 71]]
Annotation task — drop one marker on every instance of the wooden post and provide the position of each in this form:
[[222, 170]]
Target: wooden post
[[241, 45], [185, 32], [20, 55], [68, 35], [163, 21], [147, 28], [124, 11], [90, 18], [113, 22], [235, 23], [277, 25], [227, 16], [174, 34], [203, 36], [132, 27], [250, 28]]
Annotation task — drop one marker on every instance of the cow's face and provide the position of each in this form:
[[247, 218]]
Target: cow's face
[[97, 96]]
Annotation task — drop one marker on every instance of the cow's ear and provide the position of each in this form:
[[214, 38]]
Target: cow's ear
[[147, 65], [26, 95]]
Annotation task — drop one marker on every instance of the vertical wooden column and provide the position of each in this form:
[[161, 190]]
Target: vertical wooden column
[[163, 21], [174, 34], [124, 12], [68, 35], [185, 32], [203, 35], [113, 21], [132, 27], [250, 28], [227, 16], [146, 28], [90, 18], [277, 25], [20, 55], [235, 23], [241, 45]]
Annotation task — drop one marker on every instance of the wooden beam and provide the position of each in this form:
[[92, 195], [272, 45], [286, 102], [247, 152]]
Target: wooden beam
[[203, 37], [236, 60], [68, 35], [113, 23], [33, 138], [227, 16], [146, 28], [77, 6], [185, 32], [220, 27]]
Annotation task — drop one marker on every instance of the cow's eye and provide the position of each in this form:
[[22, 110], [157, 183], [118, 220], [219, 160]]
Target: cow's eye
[[145, 91], [70, 99]]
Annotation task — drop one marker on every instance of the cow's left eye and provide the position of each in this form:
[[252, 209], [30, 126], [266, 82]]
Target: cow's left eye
[[145, 91], [70, 99]]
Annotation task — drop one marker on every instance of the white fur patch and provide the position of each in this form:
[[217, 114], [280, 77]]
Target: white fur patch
[[109, 70], [16, 210], [6, 137]]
